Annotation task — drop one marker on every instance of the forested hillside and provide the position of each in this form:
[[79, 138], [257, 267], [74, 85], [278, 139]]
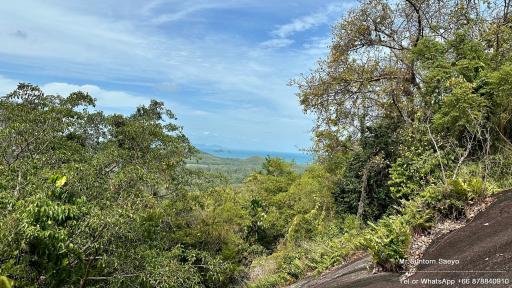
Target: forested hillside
[[413, 121], [235, 170]]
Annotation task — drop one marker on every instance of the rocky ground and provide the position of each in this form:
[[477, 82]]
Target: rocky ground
[[476, 253]]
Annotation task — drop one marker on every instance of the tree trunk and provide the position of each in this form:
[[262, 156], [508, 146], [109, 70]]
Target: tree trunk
[[364, 191]]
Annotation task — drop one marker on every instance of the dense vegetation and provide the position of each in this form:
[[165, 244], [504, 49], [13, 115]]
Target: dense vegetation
[[414, 121], [234, 169]]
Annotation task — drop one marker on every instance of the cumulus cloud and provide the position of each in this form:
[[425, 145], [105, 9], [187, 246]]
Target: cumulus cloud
[[110, 100], [7, 85], [104, 98], [218, 77]]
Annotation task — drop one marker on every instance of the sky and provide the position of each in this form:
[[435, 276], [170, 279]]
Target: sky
[[222, 66]]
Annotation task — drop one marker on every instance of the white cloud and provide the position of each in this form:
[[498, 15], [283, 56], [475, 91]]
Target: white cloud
[[277, 43], [7, 85], [181, 14], [180, 10], [150, 6], [104, 98], [54, 34], [318, 46], [91, 48], [109, 100], [237, 85], [309, 21]]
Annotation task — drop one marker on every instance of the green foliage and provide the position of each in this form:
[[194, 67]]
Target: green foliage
[[106, 200], [430, 56], [409, 116], [235, 170], [449, 200], [311, 239], [42, 234], [303, 226], [327, 247], [276, 176], [268, 209], [417, 215], [499, 93], [348, 185], [417, 166], [468, 54], [413, 121], [462, 110], [500, 167], [388, 242], [278, 196], [5, 282]]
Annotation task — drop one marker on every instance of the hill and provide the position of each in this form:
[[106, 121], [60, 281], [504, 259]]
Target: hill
[[236, 170]]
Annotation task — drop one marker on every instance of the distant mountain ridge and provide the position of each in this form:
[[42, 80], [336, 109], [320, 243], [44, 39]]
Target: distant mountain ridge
[[235, 169]]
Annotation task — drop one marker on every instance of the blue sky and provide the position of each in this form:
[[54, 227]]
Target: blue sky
[[222, 66]]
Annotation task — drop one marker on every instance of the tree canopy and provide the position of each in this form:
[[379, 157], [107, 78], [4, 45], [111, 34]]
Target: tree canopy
[[413, 123]]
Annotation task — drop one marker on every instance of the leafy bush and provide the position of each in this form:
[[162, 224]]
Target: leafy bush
[[500, 166], [449, 200], [292, 261], [304, 226], [411, 172], [416, 167], [417, 215], [462, 109], [274, 208], [388, 242]]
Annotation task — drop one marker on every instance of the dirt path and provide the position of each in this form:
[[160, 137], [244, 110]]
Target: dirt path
[[479, 252]]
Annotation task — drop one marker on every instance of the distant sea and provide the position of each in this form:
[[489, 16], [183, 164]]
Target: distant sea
[[298, 157]]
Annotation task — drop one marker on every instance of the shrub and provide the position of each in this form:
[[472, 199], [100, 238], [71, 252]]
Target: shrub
[[449, 200], [500, 167], [411, 172], [304, 226], [417, 165], [388, 242], [416, 215], [350, 224], [316, 254]]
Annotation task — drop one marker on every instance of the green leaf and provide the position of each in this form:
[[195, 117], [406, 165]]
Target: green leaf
[[5, 282], [61, 181]]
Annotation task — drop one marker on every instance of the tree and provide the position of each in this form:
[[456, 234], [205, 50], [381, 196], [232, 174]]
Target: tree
[[431, 64], [89, 199]]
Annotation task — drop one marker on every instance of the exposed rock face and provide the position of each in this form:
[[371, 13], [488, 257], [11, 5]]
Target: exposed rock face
[[469, 255]]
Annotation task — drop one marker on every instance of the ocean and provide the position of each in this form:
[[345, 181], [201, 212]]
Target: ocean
[[298, 157]]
